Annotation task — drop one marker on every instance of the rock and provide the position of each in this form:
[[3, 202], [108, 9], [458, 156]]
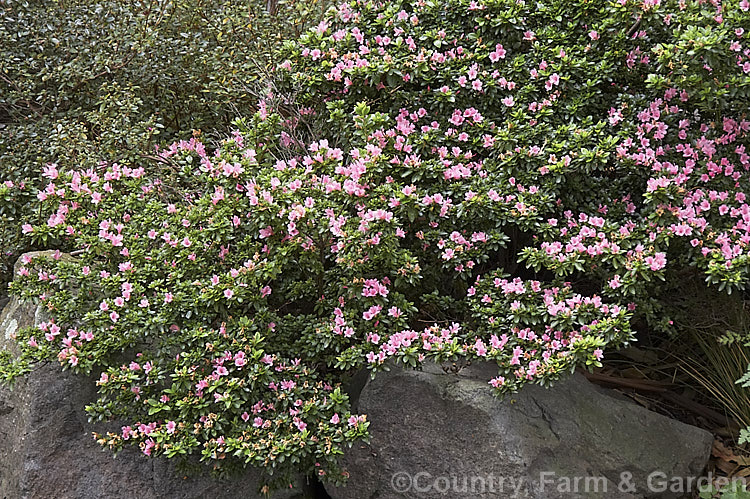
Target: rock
[[47, 448], [441, 435]]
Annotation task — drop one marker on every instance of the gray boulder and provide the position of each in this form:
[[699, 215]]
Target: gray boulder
[[47, 449], [442, 435]]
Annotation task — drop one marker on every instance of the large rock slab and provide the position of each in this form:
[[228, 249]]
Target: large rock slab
[[47, 449], [441, 435]]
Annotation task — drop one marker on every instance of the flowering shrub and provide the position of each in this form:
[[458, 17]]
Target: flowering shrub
[[630, 116], [499, 181], [243, 288]]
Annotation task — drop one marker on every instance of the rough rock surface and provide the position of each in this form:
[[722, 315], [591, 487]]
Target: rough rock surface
[[442, 435], [47, 451]]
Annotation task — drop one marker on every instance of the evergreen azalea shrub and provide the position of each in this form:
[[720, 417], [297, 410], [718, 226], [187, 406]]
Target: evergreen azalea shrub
[[514, 182]]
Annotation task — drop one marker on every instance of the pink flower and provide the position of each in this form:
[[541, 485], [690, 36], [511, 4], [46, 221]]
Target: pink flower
[[498, 54], [228, 293], [218, 195], [117, 240], [615, 282], [50, 171], [480, 348], [508, 101], [656, 262], [372, 312], [149, 445], [497, 382]]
